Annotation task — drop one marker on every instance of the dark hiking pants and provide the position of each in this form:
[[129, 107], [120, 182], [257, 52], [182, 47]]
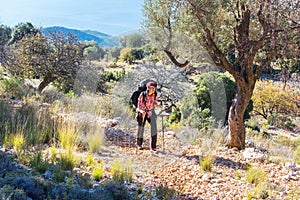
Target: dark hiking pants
[[141, 127]]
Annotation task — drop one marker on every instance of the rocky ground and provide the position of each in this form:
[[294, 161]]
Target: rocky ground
[[176, 166]]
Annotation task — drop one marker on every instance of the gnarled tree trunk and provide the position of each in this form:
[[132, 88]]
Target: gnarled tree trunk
[[238, 107], [45, 82]]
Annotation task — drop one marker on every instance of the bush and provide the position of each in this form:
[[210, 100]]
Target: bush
[[14, 88], [116, 190], [268, 99], [210, 101]]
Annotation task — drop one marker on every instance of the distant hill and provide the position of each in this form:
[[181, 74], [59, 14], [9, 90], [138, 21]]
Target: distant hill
[[103, 40]]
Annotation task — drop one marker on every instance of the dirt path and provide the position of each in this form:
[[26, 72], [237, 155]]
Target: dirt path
[[177, 166]]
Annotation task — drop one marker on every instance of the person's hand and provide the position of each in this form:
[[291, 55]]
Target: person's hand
[[144, 114]]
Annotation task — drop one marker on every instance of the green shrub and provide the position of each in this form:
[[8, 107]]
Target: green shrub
[[38, 163], [59, 174], [9, 192], [14, 88], [210, 101], [280, 121]]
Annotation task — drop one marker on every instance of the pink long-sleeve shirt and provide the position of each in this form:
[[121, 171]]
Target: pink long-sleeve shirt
[[148, 103]]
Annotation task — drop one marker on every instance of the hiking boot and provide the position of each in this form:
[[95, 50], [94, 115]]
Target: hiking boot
[[139, 147]]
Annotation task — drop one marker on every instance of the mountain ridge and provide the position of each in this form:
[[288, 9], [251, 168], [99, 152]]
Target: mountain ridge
[[103, 39]]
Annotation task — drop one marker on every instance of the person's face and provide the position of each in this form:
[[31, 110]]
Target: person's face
[[151, 90]]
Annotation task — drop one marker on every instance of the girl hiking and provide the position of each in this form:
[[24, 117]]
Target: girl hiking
[[145, 107]]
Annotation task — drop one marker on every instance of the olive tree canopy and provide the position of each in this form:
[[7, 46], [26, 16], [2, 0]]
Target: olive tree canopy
[[241, 36]]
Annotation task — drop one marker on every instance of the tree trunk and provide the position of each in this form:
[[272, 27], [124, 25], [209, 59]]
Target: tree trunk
[[237, 130], [45, 82]]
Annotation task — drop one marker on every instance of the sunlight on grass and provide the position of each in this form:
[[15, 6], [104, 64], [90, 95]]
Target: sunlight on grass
[[67, 160], [207, 163], [68, 136], [19, 142], [98, 172], [121, 171], [95, 140]]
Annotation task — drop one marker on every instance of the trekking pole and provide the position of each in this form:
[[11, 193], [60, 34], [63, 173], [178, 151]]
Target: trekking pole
[[163, 133]]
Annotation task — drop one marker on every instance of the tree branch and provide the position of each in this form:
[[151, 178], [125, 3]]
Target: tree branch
[[174, 60]]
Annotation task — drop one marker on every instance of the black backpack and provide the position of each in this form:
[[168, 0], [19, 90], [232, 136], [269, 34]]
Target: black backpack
[[141, 89]]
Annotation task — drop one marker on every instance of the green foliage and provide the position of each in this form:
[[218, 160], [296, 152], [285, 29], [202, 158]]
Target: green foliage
[[210, 101], [59, 174], [67, 160], [68, 136], [121, 171], [280, 121], [137, 54], [165, 193], [53, 154], [22, 30], [207, 163], [5, 35], [135, 40], [19, 142], [92, 51], [14, 88], [10, 192], [54, 58], [98, 172], [114, 76], [38, 163], [260, 192], [126, 55]]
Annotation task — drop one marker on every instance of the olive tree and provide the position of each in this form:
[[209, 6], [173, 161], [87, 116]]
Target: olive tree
[[53, 59], [241, 36]]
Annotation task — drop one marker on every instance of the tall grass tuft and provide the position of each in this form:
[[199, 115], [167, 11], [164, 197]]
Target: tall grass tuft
[[121, 171], [33, 122], [19, 142], [95, 140], [207, 163], [67, 160], [68, 136], [98, 172], [256, 176]]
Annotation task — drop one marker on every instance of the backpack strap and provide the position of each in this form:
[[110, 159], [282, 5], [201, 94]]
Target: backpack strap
[[144, 96]]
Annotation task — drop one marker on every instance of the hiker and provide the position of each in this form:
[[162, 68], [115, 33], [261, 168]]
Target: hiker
[[146, 103]]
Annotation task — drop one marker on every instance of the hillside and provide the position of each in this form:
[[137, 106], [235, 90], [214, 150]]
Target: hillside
[[104, 40]]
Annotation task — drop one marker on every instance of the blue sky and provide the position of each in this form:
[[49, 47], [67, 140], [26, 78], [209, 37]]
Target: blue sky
[[107, 16]]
